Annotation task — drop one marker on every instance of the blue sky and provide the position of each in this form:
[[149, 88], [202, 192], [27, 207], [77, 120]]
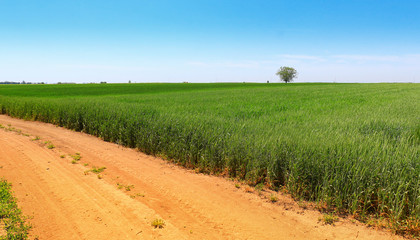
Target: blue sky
[[209, 40]]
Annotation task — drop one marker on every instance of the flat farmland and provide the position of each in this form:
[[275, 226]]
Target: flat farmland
[[351, 148]]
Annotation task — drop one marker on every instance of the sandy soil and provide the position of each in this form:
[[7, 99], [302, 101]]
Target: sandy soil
[[67, 202]]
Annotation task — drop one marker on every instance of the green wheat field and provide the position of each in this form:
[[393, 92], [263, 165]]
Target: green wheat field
[[352, 147]]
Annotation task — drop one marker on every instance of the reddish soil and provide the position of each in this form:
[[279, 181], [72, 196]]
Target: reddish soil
[[66, 202]]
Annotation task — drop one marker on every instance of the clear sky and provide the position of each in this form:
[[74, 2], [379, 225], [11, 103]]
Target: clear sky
[[209, 40]]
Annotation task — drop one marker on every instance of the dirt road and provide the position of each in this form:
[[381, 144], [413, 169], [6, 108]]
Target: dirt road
[[67, 201]]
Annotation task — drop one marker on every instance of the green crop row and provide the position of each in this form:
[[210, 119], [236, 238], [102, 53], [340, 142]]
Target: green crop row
[[354, 147]]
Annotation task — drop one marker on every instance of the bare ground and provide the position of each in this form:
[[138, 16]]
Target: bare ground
[[66, 202]]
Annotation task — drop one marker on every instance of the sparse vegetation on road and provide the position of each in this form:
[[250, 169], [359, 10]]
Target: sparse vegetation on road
[[11, 219]]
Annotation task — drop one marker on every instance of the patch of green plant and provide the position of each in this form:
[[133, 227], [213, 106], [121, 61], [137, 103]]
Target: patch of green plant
[[36, 138], [329, 219], [137, 195], [50, 146], [76, 156], [158, 223], [14, 222], [126, 187], [259, 186], [273, 198], [302, 204], [97, 170]]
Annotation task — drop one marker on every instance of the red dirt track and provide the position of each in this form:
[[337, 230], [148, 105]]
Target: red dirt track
[[67, 203]]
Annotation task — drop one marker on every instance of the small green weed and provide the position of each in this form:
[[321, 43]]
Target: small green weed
[[158, 223], [273, 198], [259, 187], [329, 219], [97, 170], [36, 138], [126, 187], [137, 195], [50, 146], [302, 204], [76, 156]]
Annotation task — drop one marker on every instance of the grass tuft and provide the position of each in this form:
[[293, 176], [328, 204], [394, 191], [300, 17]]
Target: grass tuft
[[76, 156], [36, 138], [274, 198], [329, 219], [97, 170], [126, 187], [158, 223]]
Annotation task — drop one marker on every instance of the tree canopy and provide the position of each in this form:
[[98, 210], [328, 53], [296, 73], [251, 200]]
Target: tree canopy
[[287, 74]]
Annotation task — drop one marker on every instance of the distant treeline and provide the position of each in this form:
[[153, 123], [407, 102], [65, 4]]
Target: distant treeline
[[23, 82]]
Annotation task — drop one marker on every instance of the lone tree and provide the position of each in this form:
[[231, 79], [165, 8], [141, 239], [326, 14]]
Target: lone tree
[[287, 74]]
